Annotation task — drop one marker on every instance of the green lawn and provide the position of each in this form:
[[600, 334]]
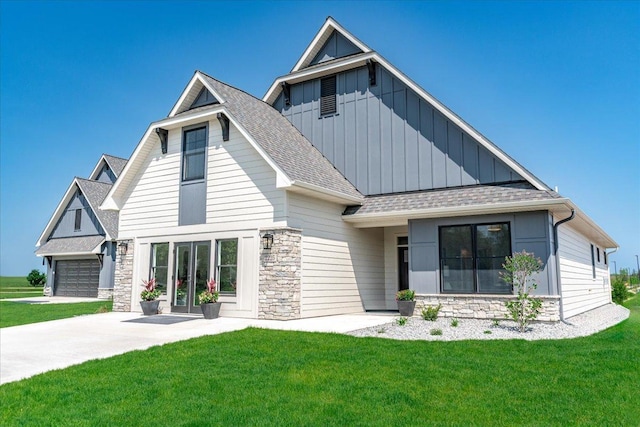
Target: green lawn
[[260, 377], [18, 287], [18, 313]]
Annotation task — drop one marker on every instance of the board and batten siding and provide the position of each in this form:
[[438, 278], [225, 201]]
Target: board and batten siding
[[385, 138], [342, 267], [89, 224], [240, 188], [580, 290]]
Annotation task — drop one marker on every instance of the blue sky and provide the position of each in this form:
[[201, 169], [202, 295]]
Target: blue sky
[[555, 85]]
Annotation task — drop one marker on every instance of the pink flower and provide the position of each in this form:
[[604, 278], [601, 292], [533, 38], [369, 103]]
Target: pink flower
[[211, 285]]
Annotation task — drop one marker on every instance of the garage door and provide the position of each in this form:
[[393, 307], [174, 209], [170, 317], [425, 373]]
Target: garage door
[[77, 278]]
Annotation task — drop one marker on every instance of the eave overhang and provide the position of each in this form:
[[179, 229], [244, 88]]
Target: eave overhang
[[559, 207]]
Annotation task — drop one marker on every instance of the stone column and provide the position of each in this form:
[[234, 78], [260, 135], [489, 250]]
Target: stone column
[[279, 276], [123, 278]]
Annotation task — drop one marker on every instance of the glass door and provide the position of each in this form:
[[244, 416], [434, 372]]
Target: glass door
[[192, 274]]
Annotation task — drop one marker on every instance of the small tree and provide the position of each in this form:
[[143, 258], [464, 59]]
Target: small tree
[[619, 291], [35, 278], [518, 271]]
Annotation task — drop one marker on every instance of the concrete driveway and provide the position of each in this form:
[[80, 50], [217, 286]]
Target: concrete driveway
[[40, 347]]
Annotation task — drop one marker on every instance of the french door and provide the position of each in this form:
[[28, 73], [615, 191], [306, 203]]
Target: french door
[[191, 275]]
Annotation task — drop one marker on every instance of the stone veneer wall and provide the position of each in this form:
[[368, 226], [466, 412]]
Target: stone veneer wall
[[484, 306], [123, 279], [105, 293], [279, 276]]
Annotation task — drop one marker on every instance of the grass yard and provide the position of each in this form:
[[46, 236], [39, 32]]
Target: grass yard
[[260, 377], [18, 313], [18, 287]]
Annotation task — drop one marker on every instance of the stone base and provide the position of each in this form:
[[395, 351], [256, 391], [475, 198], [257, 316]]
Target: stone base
[[47, 291], [105, 293], [279, 278], [484, 306]]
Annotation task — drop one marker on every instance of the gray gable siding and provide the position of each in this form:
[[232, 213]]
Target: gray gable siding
[[386, 139], [530, 231], [106, 175], [89, 225], [337, 46]]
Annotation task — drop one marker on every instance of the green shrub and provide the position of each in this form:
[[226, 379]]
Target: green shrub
[[619, 291], [455, 322], [436, 332], [401, 321], [518, 271], [405, 295], [35, 278], [430, 313]]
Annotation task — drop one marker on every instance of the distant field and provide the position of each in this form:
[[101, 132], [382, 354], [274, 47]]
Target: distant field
[[17, 287]]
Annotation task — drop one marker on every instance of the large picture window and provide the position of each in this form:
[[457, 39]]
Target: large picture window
[[227, 266], [471, 258], [193, 153], [160, 265]]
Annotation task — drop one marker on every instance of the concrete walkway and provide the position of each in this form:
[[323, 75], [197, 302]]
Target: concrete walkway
[[29, 350]]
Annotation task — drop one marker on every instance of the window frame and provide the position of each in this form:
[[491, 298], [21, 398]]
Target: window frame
[[474, 257], [185, 155], [77, 224], [153, 266], [219, 265]]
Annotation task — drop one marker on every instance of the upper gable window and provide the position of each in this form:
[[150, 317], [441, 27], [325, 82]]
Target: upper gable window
[[204, 98], [194, 143], [328, 96], [78, 220]]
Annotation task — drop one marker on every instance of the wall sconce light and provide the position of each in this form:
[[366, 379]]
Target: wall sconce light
[[267, 241], [123, 247]]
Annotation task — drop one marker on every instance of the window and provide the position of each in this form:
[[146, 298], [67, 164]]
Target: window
[[598, 253], [193, 153], [604, 254], [471, 258], [78, 223], [227, 266], [328, 96], [160, 265], [593, 262]]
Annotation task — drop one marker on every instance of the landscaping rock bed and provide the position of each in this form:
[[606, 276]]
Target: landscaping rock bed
[[484, 329]]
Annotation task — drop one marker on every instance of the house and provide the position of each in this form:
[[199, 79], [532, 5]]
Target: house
[[344, 184], [79, 240]]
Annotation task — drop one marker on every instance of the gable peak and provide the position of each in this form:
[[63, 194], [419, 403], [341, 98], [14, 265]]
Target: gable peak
[[198, 93], [330, 32]]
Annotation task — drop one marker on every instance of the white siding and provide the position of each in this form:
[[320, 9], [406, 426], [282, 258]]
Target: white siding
[[342, 267], [241, 187], [580, 290]]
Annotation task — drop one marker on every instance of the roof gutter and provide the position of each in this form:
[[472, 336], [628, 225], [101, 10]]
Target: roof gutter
[[555, 255]]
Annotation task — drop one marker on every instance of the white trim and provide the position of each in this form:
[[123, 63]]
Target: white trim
[[92, 176], [331, 195], [325, 31], [197, 76], [483, 209], [354, 62], [315, 72], [56, 214]]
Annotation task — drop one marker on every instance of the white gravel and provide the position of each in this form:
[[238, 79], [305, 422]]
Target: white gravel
[[484, 329]]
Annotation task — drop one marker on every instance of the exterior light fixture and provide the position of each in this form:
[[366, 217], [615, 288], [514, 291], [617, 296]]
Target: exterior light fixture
[[123, 247], [267, 241]]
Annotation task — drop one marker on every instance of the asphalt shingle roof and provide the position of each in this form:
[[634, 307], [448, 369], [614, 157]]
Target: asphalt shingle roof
[[95, 192], [116, 164], [451, 198], [69, 245], [288, 148]]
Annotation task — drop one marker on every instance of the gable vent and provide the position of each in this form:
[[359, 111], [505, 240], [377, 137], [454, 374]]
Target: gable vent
[[328, 95]]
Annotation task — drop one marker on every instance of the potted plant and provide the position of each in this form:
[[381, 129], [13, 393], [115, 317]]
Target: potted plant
[[406, 302], [149, 297], [209, 301]]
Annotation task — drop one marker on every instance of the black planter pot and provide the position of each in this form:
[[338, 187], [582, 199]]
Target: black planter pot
[[406, 307], [211, 310], [149, 308]]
